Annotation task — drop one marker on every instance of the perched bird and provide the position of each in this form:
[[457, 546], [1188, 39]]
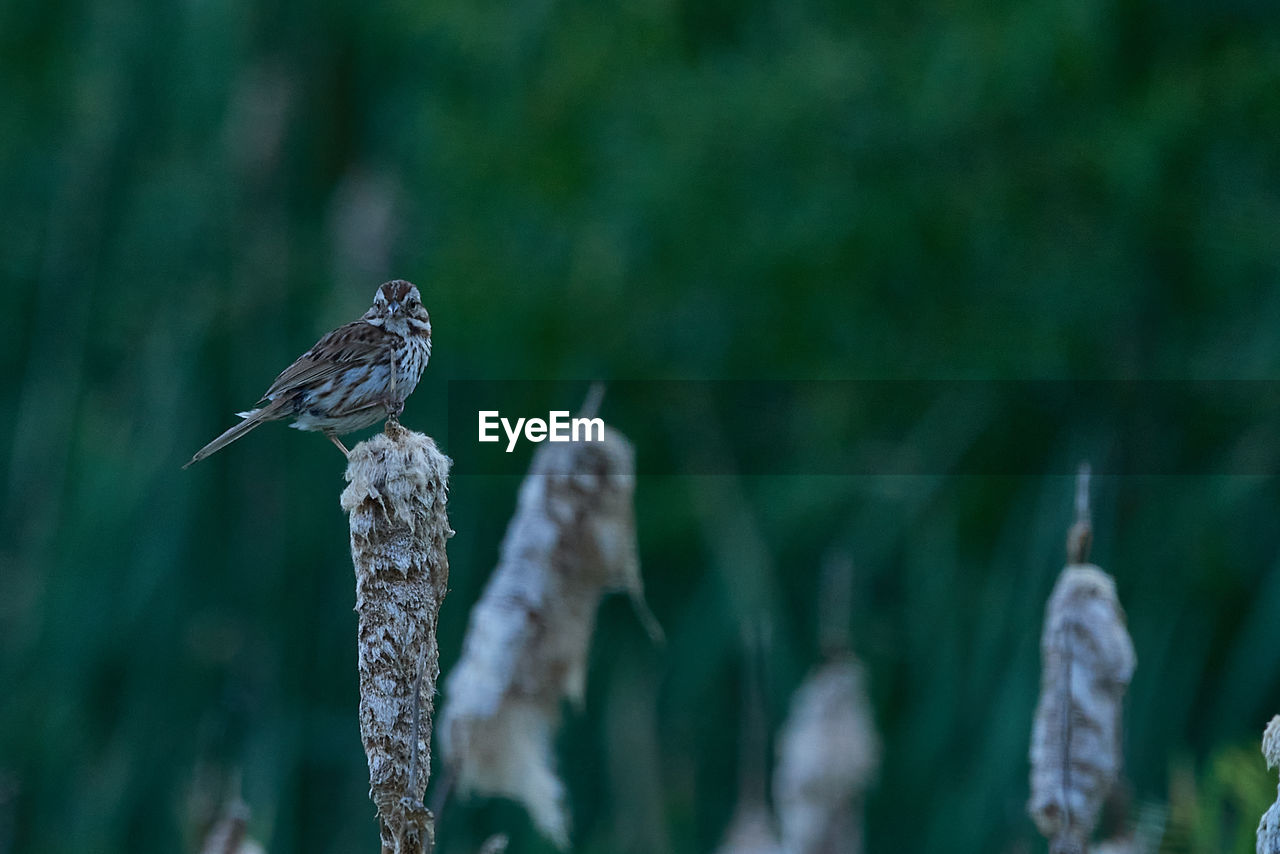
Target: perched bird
[[353, 377]]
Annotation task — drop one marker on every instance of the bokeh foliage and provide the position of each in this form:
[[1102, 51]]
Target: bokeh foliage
[[677, 189]]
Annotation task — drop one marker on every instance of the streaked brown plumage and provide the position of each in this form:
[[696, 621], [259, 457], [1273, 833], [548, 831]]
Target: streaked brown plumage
[[353, 377]]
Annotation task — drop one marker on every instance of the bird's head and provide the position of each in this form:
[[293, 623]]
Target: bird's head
[[397, 301]]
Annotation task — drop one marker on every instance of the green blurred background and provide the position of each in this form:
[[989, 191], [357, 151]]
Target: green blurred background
[[649, 189]]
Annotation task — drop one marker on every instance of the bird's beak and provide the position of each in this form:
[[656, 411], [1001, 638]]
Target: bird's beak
[[394, 307]]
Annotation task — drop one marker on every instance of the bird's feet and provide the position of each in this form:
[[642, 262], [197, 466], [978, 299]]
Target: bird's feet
[[333, 437], [394, 408]]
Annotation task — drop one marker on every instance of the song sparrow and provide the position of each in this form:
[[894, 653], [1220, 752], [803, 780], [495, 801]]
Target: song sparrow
[[352, 377]]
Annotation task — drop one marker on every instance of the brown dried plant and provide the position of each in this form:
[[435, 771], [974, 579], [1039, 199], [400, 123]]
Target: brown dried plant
[[218, 808], [396, 498], [828, 749], [572, 539], [1087, 662], [828, 753]]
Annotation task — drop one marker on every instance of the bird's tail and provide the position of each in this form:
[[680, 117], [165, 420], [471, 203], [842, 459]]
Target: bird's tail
[[252, 419]]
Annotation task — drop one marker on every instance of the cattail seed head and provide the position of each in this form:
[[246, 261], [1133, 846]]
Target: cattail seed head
[[396, 500], [572, 539], [1087, 661]]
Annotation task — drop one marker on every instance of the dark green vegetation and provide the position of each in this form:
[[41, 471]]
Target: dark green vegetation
[[653, 189]]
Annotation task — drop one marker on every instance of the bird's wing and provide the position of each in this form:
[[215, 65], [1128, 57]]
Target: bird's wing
[[354, 342]]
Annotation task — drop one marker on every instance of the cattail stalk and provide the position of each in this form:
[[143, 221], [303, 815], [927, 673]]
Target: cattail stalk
[[396, 499], [1087, 662], [828, 750], [828, 753], [218, 814], [230, 833]]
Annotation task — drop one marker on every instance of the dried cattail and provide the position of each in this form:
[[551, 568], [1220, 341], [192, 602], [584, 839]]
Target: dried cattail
[[1269, 827], [827, 755], [828, 750], [751, 832], [1080, 535], [1125, 845], [571, 540], [229, 833], [1271, 743], [1087, 661], [396, 498]]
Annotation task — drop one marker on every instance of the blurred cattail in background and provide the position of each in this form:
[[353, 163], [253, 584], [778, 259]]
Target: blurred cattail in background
[[495, 844], [751, 830], [215, 813], [1087, 660], [827, 755], [396, 498], [1269, 827], [572, 540], [828, 749], [229, 833]]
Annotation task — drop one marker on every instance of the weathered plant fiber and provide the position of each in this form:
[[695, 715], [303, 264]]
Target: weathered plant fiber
[[1087, 660], [828, 752], [827, 749], [230, 833], [1269, 827], [571, 540], [751, 831], [396, 498]]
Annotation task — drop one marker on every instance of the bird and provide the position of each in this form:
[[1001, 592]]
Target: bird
[[352, 377]]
